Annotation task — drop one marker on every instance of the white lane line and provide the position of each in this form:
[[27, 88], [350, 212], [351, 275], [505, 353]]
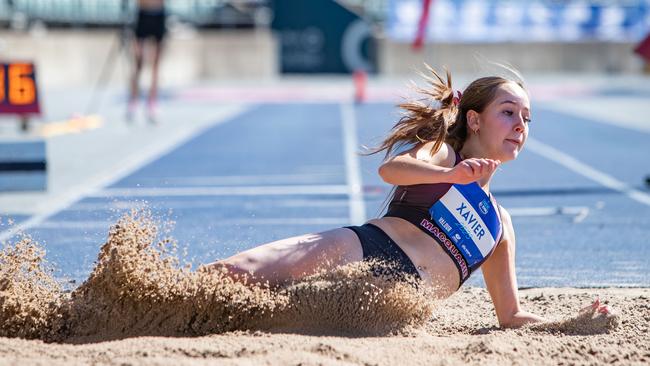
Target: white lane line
[[277, 221], [586, 171], [127, 166], [219, 180], [579, 212], [117, 205], [352, 166], [223, 191]]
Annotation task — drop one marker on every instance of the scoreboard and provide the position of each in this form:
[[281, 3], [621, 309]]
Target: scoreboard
[[18, 91]]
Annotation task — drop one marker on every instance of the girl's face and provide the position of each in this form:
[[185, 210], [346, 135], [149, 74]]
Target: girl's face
[[503, 125]]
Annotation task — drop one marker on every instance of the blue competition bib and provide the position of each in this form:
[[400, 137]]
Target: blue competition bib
[[467, 216]]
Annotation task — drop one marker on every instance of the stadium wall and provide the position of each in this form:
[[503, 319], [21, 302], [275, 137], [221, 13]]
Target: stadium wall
[[542, 57], [77, 57]]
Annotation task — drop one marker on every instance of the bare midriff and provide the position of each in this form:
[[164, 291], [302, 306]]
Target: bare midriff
[[433, 263]]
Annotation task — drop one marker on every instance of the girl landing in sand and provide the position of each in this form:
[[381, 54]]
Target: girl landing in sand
[[442, 223]]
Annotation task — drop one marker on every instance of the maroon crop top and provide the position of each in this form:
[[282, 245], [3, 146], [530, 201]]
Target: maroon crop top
[[412, 204], [417, 197]]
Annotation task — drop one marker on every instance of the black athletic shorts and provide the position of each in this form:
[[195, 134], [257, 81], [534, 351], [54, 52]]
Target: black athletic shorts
[[376, 244], [150, 25]]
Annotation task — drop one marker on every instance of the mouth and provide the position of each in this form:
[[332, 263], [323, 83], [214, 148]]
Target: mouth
[[517, 143]]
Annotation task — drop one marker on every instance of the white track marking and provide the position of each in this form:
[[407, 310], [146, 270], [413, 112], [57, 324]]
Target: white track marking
[[586, 171], [239, 180], [276, 221], [117, 205], [579, 212], [352, 166], [127, 166], [223, 191]]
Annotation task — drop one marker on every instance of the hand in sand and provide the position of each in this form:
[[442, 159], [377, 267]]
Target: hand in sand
[[592, 319], [471, 170], [595, 307]]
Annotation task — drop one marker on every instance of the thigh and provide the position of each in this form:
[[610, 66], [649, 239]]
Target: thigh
[[296, 257]]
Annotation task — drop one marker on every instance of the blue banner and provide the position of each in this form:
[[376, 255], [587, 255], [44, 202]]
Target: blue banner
[[521, 21]]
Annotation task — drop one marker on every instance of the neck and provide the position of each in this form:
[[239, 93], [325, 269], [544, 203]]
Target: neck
[[473, 149]]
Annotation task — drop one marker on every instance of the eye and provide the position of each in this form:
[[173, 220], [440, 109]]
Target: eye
[[507, 113], [527, 120]]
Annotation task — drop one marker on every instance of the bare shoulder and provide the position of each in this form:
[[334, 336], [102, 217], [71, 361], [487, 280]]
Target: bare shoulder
[[506, 221], [505, 215], [445, 156]]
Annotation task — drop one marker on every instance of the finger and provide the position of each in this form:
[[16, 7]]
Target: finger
[[493, 165], [480, 167], [474, 166], [488, 166], [489, 163]]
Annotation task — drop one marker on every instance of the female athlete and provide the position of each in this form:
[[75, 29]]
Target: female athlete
[[442, 223]]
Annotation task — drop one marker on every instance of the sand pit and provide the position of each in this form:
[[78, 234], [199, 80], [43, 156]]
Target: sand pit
[[141, 306]]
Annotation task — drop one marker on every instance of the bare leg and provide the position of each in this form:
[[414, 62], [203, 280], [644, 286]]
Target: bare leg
[[153, 90], [293, 258], [134, 91]]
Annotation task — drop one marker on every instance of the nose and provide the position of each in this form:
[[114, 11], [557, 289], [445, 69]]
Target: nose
[[521, 125]]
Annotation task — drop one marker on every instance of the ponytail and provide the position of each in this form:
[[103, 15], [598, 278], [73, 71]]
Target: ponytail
[[425, 119]]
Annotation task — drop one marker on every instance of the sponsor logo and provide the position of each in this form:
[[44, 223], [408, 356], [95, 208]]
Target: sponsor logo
[[460, 227], [448, 245], [444, 224], [469, 254], [484, 206]]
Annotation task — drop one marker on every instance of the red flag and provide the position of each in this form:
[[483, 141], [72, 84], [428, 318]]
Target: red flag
[[643, 49], [422, 25]]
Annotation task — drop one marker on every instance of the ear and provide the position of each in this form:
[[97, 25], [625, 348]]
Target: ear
[[473, 120]]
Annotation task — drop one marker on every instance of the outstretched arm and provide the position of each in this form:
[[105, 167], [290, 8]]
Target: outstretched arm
[[418, 166], [501, 280]]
